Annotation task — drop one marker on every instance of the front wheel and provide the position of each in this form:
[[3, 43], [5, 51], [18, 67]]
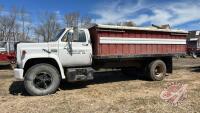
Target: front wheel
[[156, 70], [42, 79]]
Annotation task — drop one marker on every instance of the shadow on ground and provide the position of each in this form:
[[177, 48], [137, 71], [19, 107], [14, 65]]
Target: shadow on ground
[[6, 67], [101, 78], [195, 69], [17, 87]]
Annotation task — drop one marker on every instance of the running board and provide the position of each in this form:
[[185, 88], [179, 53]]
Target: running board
[[79, 74]]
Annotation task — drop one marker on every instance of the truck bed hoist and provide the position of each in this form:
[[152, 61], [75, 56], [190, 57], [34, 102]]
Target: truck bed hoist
[[75, 54]]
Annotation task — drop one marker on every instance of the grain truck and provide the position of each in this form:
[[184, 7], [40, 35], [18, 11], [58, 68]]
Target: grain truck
[[75, 54]]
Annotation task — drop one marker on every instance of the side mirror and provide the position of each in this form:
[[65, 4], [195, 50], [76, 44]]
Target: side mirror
[[69, 41], [70, 37]]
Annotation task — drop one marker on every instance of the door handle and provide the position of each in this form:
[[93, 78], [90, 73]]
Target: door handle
[[85, 44], [45, 50]]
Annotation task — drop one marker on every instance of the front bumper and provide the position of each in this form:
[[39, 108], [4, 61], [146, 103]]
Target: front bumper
[[18, 73]]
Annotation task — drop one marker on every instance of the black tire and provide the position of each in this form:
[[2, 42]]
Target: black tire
[[42, 79], [156, 70]]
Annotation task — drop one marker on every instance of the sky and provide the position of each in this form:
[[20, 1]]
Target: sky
[[180, 14]]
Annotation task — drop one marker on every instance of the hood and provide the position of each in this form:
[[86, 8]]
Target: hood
[[31, 49]]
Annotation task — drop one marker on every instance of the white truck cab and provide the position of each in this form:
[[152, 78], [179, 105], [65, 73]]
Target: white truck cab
[[57, 55]]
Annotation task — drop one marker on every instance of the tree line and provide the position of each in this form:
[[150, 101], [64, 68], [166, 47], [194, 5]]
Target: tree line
[[16, 24]]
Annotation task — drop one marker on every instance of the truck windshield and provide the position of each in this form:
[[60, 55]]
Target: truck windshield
[[60, 32]]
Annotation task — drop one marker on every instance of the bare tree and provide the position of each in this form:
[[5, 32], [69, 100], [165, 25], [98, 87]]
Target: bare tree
[[74, 19], [71, 19], [7, 25], [10, 27], [48, 27], [86, 21], [110, 23], [22, 18], [16, 33], [1, 30], [25, 23], [129, 23]]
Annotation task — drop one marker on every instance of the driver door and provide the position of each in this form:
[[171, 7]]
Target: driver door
[[77, 52]]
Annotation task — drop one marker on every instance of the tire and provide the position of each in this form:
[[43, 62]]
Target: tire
[[42, 79], [156, 70]]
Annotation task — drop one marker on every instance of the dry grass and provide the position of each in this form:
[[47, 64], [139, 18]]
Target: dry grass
[[110, 92]]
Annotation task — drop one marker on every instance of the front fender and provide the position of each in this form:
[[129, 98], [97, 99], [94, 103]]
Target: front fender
[[56, 58], [52, 56]]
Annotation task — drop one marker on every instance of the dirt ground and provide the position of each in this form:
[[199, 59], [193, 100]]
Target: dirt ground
[[109, 92]]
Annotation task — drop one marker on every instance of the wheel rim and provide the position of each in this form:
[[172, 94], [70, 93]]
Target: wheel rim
[[42, 80], [158, 70]]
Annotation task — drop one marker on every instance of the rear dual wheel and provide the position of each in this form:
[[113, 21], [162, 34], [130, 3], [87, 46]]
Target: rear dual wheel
[[156, 70]]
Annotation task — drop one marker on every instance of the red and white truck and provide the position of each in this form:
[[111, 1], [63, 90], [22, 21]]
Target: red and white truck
[[75, 54]]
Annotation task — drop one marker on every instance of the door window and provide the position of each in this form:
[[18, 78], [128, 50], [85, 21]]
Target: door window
[[81, 37]]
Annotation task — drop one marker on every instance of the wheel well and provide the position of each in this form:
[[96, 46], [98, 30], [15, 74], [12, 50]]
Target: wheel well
[[32, 62]]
